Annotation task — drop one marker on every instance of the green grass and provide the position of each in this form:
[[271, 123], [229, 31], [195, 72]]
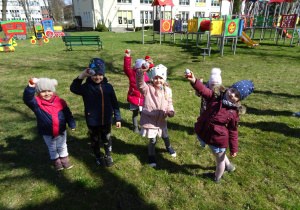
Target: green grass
[[267, 174]]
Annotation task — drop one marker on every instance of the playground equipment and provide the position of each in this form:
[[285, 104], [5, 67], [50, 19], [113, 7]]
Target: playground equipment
[[50, 30], [288, 22], [11, 29], [39, 35], [7, 45], [160, 25], [246, 39]]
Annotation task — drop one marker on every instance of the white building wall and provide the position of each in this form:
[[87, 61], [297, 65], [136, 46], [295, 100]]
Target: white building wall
[[16, 12], [111, 12], [84, 8]]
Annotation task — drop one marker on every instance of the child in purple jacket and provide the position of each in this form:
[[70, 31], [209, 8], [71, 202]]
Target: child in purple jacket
[[218, 125]]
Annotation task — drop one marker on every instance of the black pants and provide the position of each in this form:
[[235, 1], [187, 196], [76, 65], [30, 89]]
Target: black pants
[[103, 133]]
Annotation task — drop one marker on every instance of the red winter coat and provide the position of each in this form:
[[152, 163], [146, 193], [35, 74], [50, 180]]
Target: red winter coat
[[134, 96], [217, 126]]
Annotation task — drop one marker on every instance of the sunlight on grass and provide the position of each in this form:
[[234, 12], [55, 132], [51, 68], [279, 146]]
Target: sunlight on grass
[[267, 164]]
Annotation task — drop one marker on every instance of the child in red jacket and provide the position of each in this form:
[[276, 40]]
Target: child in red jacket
[[134, 97], [218, 125]]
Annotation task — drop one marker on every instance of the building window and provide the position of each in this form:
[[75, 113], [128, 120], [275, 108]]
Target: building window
[[215, 3], [124, 17], [146, 17], [78, 7], [213, 14], [184, 16], [167, 15], [200, 3], [146, 1], [124, 1], [200, 14], [184, 2]]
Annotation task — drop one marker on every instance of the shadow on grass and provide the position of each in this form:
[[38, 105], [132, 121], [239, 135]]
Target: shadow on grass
[[268, 112], [141, 152], [276, 127], [32, 155], [269, 93]]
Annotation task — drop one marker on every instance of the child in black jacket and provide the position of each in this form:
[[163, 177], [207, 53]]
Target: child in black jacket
[[100, 103]]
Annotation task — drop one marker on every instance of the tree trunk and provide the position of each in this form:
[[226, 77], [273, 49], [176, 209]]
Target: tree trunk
[[25, 6], [4, 4], [49, 9]]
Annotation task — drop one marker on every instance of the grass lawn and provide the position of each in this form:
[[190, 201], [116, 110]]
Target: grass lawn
[[267, 164]]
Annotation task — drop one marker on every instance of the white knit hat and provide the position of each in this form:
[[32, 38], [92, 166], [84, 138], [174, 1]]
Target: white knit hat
[[160, 70], [45, 84], [138, 63], [215, 77]]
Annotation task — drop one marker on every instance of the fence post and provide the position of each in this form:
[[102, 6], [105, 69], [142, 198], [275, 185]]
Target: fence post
[[143, 32]]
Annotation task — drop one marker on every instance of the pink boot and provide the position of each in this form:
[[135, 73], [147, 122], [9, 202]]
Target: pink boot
[[65, 162], [57, 164]]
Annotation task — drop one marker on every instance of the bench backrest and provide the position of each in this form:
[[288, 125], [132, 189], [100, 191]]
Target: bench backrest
[[81, 38]]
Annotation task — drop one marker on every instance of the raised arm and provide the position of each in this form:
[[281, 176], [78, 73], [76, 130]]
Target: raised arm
[[127, 65], [76, 84], [199, 87], [28, 96], [140, 82]]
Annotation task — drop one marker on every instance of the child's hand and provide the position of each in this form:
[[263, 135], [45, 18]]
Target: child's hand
[[73, 129], [118, 124], [191, 77], [31, 85], [32, 82], [84, 74], [142, 70], [171, 113], [232, 154], [127, 52]]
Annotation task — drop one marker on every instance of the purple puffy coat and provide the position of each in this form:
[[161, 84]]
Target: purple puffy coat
[[217, 126]]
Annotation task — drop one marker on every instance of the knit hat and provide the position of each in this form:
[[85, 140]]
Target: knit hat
[[45, 84], [245, 88], [148, 59], [97, 65], [215, 77], [138, 63], [160, 70]]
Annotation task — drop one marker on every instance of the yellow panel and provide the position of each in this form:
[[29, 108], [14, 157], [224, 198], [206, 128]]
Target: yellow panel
[[217, 27], [57, 28], [192, 25]]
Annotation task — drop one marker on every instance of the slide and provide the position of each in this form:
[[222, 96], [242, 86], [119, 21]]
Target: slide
[[248, 41]]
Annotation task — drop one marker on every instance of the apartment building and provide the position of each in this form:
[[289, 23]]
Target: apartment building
[[135, 13], [14, 11]]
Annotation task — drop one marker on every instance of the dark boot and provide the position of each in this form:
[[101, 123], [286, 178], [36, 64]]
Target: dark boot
[[100, 161], [212, 176], [65, 162], [109, 161], [151, 160]]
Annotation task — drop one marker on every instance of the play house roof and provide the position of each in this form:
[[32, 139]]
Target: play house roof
[[162, 3], [279, 1]]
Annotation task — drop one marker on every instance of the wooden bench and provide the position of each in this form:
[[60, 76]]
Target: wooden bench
[[81, 40]]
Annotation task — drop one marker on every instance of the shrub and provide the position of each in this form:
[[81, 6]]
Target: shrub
[[101, 28]]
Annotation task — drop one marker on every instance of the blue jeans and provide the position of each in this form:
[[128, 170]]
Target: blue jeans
[[213, 148]]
